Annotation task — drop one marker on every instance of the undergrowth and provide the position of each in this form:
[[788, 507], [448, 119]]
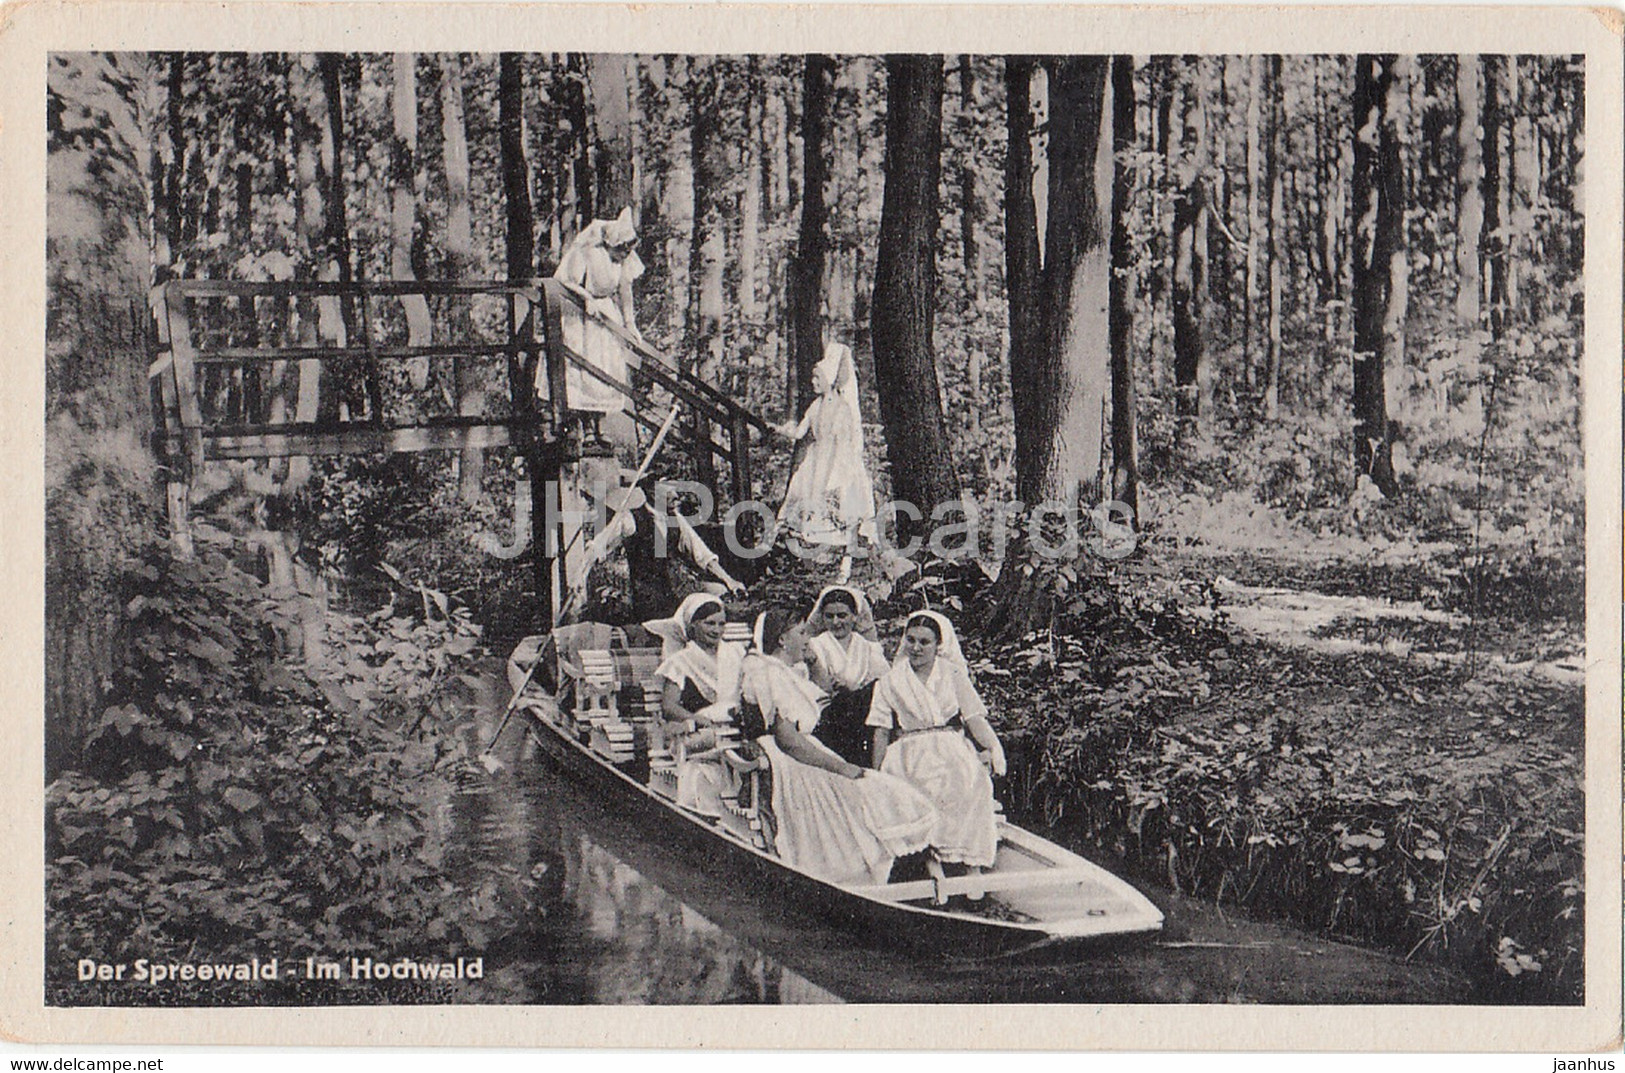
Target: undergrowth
[[235, 802]]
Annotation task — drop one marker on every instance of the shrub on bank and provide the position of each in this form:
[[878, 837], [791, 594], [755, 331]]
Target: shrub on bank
[[235, 803], [1144, 734]]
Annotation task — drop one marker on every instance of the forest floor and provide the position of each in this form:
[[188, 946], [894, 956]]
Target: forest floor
[[1344, 742]]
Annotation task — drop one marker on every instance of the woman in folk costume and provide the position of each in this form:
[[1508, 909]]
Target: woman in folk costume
[[845, 659], [831, 499], [927, 703], [833, 819], [600, 264], [700, 690]]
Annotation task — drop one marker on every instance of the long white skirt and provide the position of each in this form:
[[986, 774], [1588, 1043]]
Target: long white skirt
[[602, 349], [943, 764], [844, 830]]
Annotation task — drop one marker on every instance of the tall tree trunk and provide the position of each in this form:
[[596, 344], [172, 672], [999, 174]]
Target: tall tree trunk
[[1255, 208], [969, 200], [1074, 362], [1125, 452], [1469, 200], [99, 508], [520, 240], [708, 243], [319, 320], [1189, 269], [904, 307], [1378, 229], [1023, 266], [1494, 245], [750, 196], [1066, 375], [575, 114], [610, 124], [1277, 231], [812, 242], [403, 178], [460, 263], [521, 222]]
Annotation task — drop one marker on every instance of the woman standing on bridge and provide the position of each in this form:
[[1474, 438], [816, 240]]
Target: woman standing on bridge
[[600, 265]]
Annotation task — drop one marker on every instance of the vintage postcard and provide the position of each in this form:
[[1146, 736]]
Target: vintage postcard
[[998, 527]]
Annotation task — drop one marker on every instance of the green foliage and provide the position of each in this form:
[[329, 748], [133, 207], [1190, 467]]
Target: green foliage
[[234, 802], [1142, 730]]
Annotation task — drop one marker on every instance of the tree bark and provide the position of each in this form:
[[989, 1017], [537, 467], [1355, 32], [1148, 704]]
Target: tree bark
[[1469, 199], [610, 126], [1073, 366], [812, 243], [575, 113], [904, 306], [1255, 207], [1066, 374], [1189, 269], [1125, 452], [750, 196], [1378, 229], [460, 262], [1277, 251], [1022, 264], [707, 243], [521, 221], [403, 176], [1494, 245]]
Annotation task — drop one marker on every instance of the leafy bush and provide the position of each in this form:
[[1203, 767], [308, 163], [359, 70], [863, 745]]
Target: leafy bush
[[234, 803]]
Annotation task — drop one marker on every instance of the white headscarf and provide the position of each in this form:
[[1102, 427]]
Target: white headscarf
[[947, 649], [865, 614], [617, 232], [776, 688], [947, 690], [714, 675], [673, 632]]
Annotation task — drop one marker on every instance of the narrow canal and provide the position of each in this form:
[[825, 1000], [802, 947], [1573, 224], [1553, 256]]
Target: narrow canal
[[587, 909]]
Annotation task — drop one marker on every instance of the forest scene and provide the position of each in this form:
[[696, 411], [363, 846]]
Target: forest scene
[[1308, 327]]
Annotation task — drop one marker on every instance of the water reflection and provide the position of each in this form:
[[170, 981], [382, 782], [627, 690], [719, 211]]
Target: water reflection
[[580, 924], [585, 909]]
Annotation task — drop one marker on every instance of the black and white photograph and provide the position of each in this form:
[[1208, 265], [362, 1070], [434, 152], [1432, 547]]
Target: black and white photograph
[[746, 527]]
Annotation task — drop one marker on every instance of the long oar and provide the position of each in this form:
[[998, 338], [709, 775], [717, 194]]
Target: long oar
[[492, 763]]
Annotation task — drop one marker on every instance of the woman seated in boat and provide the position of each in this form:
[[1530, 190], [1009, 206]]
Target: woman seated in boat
[[699, 692], [845, 660], [833, 819], [922, 711]]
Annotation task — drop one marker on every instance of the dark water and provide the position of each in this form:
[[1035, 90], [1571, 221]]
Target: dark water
[[585, 909]]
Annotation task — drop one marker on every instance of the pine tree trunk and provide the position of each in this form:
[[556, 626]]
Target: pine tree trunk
[[812, 243], [1125, 452], [1378, 229], [904, 307]]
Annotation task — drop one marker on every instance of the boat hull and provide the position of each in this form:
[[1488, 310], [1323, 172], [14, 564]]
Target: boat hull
[[873, 921]]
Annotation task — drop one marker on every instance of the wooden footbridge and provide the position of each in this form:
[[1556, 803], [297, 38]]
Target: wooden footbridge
[[281, 370]]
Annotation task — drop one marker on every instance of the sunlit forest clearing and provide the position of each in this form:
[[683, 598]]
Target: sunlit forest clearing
[[1313, 322]]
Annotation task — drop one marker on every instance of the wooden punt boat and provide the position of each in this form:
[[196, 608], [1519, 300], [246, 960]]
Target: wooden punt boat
[[1037, 895]]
